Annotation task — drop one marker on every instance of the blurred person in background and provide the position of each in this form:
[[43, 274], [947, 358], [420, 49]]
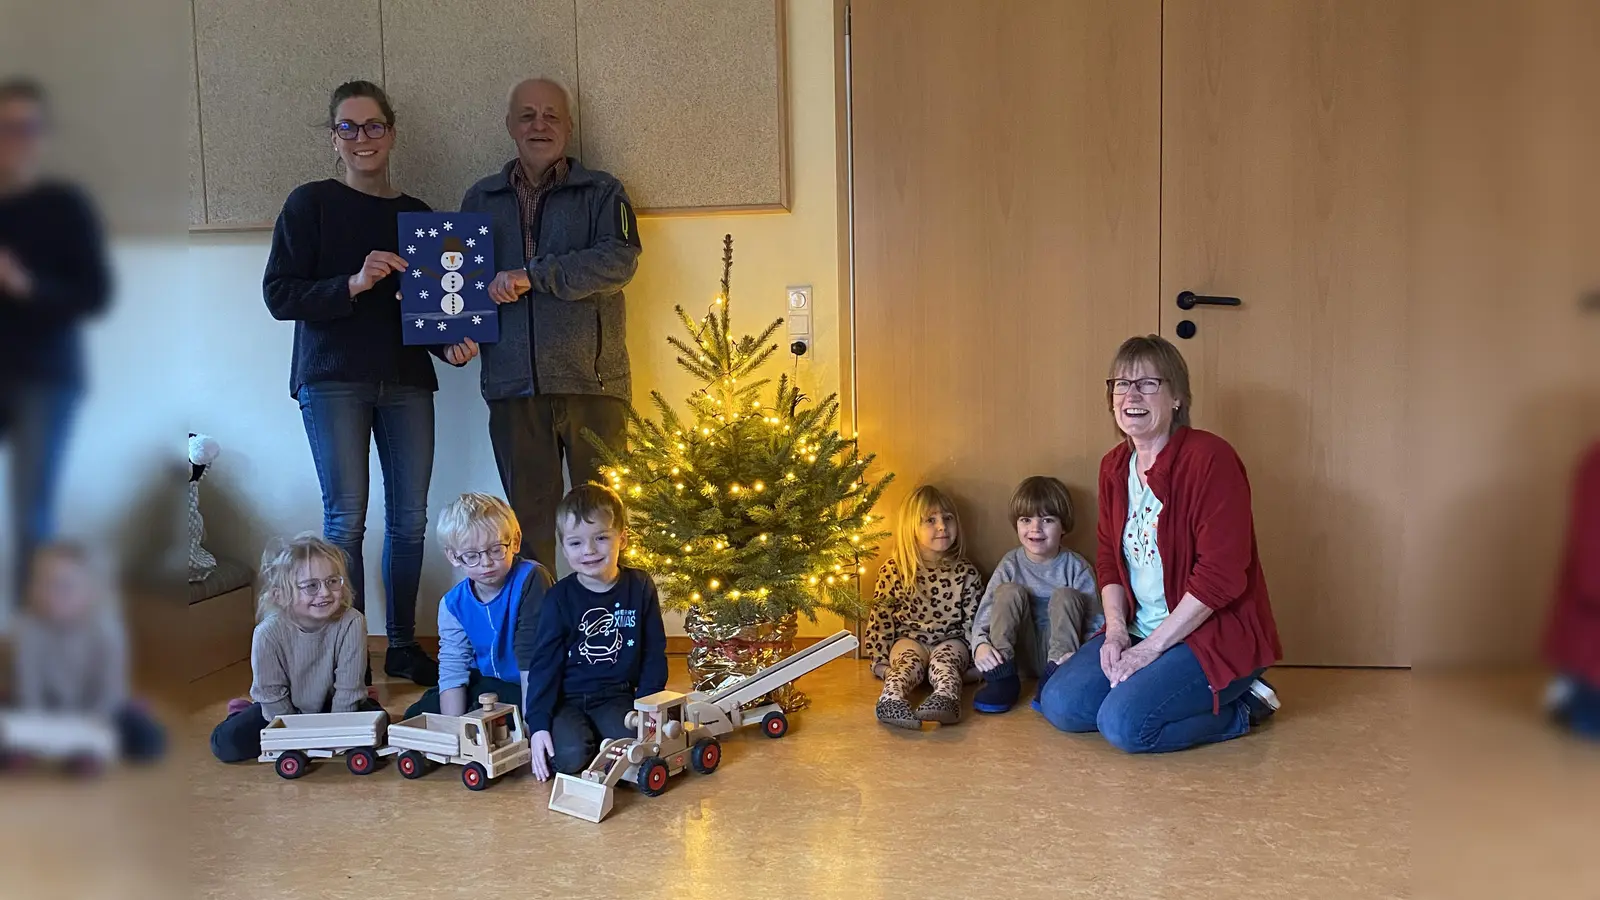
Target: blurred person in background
[[1572, 641], [53, 275], [72, 649]]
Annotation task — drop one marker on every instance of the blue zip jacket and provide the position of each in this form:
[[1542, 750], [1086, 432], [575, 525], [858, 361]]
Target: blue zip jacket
[[591, 643], [482, 636]]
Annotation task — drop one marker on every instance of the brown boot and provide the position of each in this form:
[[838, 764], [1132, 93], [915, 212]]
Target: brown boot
[[896, 712], [941, 708]]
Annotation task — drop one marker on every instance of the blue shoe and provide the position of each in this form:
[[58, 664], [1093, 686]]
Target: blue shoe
[[1262, 701], [1038, 693], [1000, 690]]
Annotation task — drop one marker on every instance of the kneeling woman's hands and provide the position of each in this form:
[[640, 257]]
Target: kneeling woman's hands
[[1131, 661]]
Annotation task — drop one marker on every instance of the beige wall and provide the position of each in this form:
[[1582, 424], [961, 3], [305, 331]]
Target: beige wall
[[264, 483]]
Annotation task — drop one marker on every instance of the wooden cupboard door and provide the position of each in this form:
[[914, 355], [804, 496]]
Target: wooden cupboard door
[[1006, 200], [1284, 183]]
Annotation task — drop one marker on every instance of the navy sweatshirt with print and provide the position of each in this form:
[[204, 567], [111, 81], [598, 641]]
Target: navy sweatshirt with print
[[592, 642]]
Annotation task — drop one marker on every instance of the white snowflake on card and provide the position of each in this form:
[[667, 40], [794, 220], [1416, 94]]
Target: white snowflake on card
[[419, 323], [416, 273], [449, 227], [423, 295], [478, 259], [483, 229], [441, 326], [478, 285], [472, 242], [419, 232], [477, 320], [433, 232], [411, 248]]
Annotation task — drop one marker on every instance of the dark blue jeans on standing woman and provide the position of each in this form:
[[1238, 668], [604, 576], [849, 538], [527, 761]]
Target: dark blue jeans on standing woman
[[35, 421], [1164, 706], [342, 420]]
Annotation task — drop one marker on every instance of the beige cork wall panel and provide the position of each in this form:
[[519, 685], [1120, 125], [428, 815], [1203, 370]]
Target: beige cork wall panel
[[449, 68], [265, 73], [684, 100], [191, 114]]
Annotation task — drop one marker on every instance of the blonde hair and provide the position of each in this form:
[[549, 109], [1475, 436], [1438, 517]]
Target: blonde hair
[[281, 563], [1168, 362], [586, 502], [913, 510], [1041, 495], [472, 513]]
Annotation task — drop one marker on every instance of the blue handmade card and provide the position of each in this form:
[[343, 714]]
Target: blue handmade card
[[444, 292]]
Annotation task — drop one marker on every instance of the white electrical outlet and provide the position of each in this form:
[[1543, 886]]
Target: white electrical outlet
[[799, 318]]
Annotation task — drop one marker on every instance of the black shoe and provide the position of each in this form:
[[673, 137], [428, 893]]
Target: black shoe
[[1262, 701], [411, 663], [1000, 690], [369, 672]]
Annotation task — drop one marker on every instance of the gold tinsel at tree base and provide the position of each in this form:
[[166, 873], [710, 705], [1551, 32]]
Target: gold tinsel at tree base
[[725, 653]]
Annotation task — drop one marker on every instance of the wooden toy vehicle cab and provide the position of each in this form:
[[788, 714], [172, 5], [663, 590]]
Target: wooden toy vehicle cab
[[487, 742]]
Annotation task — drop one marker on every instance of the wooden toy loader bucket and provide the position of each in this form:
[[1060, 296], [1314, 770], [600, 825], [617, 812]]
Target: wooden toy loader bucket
[[577, 796]]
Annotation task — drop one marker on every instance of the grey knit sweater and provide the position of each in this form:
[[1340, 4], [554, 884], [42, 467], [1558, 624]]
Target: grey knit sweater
[[299, 671]]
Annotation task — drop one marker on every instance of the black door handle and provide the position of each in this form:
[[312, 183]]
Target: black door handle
[[1189, 300]]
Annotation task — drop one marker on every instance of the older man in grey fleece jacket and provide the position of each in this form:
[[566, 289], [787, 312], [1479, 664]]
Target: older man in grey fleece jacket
[[568, 241]]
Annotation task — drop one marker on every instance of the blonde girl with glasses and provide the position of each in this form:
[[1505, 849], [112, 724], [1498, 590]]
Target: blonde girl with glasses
[[309, 651]]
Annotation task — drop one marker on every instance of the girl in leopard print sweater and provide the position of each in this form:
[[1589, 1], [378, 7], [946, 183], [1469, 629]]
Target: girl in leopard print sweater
[[922, 609]]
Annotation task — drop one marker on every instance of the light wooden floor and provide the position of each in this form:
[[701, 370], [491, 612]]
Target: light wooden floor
[[1314, 805]]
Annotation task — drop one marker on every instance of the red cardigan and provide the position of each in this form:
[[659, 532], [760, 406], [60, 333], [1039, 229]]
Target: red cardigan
[[1207, 540], [1572, 642]]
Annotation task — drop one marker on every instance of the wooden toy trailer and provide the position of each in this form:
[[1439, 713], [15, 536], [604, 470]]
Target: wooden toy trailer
[[85, 743], [723, 711], [291, 742], [487, 742]]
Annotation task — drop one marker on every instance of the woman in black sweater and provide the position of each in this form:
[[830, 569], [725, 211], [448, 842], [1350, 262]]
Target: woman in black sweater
[[333, 272]]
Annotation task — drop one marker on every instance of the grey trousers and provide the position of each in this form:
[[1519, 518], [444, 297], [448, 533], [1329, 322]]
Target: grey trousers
[[530, 437], [1031, 633]]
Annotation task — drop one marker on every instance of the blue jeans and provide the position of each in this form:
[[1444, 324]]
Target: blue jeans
[[35, 421], [342, 419], [1581, 711], [1165, 706]]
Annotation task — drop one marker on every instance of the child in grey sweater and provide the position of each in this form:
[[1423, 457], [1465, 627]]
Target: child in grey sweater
[[308, 654], [1041, 600], [72, 649]]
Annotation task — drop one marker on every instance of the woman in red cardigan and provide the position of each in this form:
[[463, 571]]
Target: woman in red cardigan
[[1572, 642], [1189, 630]]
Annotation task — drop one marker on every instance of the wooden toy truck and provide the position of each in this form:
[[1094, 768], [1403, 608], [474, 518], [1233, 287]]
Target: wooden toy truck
[[665, 745], [676, 727], [83, 743], [291, 742], [486, 742]]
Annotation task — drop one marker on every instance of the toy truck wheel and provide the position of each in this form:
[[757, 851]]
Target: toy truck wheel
[[412, 764], [475, 776], [707, 753], [653, 776], [361, 761], [292, 764], [775, 724]]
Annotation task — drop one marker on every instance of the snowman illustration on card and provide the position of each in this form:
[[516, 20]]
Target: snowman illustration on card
[[444, 292]]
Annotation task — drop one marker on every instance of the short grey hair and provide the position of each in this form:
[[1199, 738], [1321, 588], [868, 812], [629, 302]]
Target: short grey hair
[[566, 95]]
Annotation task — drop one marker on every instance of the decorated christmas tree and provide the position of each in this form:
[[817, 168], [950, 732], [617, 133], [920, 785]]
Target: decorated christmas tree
[[750, 508]]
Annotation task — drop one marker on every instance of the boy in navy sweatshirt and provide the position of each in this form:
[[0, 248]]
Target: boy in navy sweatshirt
[[599, 641], [482, 642]]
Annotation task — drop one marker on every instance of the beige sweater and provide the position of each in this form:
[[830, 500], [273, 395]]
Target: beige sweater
[[298, 671], [80, 667]]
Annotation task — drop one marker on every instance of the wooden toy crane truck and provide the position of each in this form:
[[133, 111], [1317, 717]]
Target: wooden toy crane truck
[[487, 742], [676, 731]]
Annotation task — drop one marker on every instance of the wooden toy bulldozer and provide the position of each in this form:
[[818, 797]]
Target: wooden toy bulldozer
[[678, 731]]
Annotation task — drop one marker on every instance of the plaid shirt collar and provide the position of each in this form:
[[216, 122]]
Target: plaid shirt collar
[[530, 195]]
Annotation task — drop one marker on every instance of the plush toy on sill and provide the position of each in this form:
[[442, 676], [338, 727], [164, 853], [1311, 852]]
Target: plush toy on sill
[[203, 451]]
